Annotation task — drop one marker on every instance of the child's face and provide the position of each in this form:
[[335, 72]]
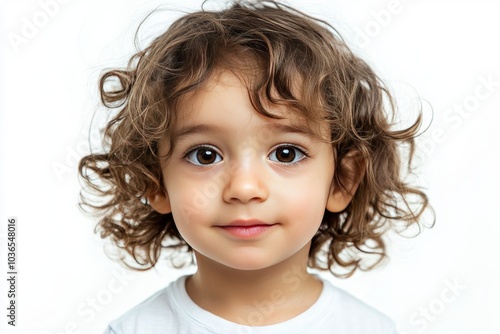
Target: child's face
[[232, 167]]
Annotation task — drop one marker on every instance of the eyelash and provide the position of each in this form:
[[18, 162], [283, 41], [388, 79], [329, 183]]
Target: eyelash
[[296, 148]]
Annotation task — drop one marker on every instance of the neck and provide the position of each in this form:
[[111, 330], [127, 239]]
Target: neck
[[255, 297]]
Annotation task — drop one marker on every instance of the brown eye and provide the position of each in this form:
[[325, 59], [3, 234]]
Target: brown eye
[[287, 154], [206, 156], [203, 156]]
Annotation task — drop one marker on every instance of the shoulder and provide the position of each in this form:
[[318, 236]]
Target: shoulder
[[153, 315], [355, 316]]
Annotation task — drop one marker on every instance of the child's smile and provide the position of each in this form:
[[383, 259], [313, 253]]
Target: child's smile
[[245, 190]]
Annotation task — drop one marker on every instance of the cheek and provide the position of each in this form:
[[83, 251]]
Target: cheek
[[189, 214], [192, 190], [191, 200], [308, 212], [306, 202], [188, 206]]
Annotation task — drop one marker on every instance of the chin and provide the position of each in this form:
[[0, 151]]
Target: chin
[[249, 263]]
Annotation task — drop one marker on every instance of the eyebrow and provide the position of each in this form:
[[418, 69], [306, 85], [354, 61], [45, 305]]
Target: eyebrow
[[275, 127], [285, 128], [195, 129]]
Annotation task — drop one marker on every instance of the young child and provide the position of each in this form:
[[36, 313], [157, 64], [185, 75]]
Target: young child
[[253, 139]]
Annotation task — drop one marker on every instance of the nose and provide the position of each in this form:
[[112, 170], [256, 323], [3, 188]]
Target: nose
[[246, 183]]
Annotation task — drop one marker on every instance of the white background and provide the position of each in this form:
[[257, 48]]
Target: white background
[[443, 281]]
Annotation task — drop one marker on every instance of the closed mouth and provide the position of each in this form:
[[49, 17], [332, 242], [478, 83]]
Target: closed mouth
[[246, 229]]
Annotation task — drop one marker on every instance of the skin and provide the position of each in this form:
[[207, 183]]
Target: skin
[[230, 163]]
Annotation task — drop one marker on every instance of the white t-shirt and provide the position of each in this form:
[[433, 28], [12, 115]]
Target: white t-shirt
[[171, 310]]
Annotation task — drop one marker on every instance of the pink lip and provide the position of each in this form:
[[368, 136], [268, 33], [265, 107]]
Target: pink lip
[[246, 229]]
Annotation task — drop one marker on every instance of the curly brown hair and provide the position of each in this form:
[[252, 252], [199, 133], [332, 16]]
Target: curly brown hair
[[277, 46]]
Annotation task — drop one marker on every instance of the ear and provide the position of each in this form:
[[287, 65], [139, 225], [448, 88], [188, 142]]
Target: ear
[[351, 174], [160, 202]]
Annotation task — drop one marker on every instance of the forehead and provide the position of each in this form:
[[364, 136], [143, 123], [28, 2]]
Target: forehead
[[225, 91]]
